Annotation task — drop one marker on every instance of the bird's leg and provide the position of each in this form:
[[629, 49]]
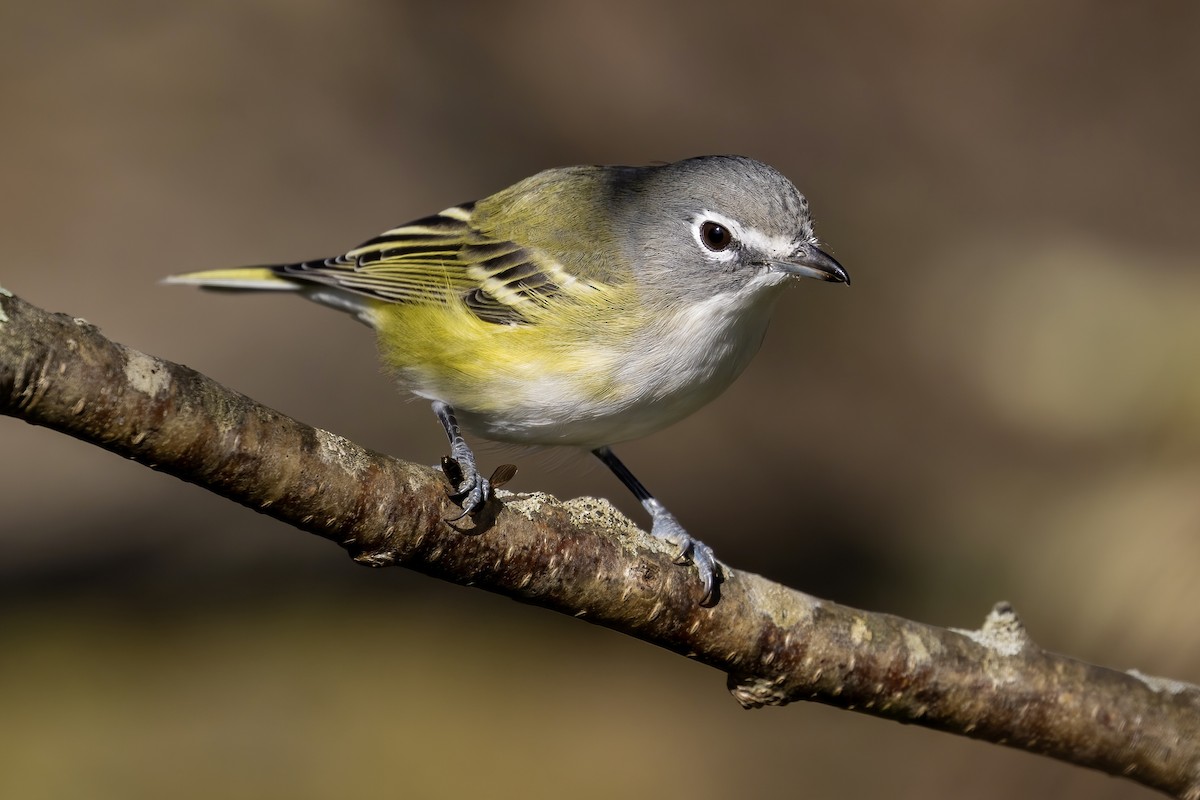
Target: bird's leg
[[472, 490], [664, 526]]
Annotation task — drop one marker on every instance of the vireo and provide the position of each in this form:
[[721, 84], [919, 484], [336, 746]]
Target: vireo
[[583, 306]]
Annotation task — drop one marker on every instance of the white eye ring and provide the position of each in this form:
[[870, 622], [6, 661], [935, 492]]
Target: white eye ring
[[717, 235]]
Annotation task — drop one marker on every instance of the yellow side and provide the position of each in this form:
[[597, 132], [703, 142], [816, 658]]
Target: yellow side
[[444, 349]]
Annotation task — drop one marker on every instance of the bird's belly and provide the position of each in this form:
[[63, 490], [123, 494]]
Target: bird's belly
[[612, 396], [560, 416]]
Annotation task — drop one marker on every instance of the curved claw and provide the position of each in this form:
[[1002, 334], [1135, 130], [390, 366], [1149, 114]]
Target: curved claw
[[667, 528], [472, 490], [706, 565]]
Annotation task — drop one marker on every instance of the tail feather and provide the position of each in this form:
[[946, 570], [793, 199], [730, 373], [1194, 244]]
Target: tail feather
[[237, 279], [272, 278]]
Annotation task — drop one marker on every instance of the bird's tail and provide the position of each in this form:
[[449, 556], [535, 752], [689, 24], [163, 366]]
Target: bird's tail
[[273, 278], [238, 279]]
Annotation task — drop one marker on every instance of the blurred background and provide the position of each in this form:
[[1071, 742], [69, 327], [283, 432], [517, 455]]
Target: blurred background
[[1005, 405]]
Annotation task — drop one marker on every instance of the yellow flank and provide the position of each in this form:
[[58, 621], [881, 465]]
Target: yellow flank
[[557, 360]]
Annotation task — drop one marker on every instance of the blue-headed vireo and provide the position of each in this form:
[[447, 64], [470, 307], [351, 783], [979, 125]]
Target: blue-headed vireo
[[583, 306]]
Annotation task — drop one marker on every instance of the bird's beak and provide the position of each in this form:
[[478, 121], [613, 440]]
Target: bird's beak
[[809, 261]]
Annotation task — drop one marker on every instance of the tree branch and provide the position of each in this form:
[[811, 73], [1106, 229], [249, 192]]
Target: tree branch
[[581, 557]]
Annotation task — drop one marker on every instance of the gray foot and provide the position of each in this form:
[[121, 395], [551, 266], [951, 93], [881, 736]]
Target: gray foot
[[667, 528], [471, 489]]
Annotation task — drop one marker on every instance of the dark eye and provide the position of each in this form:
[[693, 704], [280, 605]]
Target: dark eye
[[715, 237]]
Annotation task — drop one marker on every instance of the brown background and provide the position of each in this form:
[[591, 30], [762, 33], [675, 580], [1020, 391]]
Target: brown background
[[1005, 405]]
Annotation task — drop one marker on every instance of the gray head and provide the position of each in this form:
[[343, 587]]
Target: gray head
[[721, 223]]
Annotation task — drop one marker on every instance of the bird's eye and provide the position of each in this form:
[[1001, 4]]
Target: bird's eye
[[715, 237]]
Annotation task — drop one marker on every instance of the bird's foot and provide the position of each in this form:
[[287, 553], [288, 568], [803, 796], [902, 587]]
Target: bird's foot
[[667, 528], [471, 489]]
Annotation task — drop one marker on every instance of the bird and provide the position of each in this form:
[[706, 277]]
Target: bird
[[583, 307]]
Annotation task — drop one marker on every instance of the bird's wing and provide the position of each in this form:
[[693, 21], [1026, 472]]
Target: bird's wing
[[439, 259]]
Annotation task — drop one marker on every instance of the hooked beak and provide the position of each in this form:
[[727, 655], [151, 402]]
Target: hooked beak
[[809, 261]]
